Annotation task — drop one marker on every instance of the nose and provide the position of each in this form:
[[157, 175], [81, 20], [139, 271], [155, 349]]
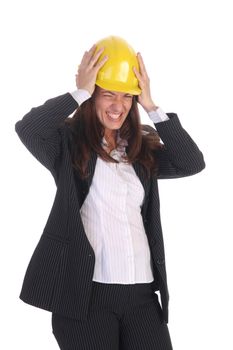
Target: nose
[[117, 104]]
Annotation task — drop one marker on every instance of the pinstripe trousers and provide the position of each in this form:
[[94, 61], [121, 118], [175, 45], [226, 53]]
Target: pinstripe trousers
[[120, 317]]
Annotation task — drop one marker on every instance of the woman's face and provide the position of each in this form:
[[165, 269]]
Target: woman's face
[[112, 108]]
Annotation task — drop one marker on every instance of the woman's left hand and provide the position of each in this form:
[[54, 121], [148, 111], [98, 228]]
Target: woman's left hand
[[144, 98]]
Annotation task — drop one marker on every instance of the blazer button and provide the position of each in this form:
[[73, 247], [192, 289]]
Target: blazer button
[[160, 261]]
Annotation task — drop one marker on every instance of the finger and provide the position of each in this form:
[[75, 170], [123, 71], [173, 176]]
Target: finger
[[92, 48], [91, 51], [83, 58], [101, 62], [88, 54], [95, 58], [138, 75], [141, 64]]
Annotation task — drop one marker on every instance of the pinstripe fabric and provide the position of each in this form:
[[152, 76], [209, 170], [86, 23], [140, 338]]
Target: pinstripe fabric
[[125, 317], [59, 274]]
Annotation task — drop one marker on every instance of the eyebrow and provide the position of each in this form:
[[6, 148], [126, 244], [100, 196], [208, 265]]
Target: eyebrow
[[112, 93]]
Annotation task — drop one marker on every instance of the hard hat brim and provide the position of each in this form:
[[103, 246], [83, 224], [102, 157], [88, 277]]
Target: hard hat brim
[[119, 87]]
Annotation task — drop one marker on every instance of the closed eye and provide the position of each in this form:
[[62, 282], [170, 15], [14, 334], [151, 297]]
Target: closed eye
[[108, 95]]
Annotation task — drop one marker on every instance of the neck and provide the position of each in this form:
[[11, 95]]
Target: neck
[[110, 136]]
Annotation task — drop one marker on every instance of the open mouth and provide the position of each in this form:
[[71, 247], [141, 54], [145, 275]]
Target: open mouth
[[114, 116]]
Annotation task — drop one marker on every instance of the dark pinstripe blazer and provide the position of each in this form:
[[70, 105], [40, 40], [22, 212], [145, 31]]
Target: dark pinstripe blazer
[[59, 275]]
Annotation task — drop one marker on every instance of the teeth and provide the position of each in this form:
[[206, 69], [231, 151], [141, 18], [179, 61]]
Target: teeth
[[113, 115]]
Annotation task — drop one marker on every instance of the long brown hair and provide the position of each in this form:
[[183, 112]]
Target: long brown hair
[[87, 133]]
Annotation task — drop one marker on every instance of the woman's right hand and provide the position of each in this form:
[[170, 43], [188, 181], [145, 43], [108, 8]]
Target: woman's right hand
[[88, 69]]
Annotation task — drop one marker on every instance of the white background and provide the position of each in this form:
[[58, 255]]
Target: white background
[[187, 49]]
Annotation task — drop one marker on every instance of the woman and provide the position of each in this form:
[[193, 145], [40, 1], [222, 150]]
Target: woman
[[100, 258]]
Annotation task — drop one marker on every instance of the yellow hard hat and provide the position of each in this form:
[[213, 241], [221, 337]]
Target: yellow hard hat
[[117, 73]]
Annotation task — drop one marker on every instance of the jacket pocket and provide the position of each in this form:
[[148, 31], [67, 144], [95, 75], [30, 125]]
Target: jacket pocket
[[55, 237], [44, 275]]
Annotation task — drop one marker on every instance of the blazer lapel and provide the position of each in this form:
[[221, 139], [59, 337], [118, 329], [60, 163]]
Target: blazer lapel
[[91, 168], [144, 180]]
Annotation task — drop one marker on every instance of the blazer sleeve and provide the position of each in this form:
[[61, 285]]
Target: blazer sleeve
[[39, 129], [180, 156]]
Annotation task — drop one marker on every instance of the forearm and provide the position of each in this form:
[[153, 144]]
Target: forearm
[[42, 120], [181, 154]]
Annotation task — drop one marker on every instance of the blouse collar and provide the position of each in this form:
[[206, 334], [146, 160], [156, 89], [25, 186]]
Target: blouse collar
[[119, 151]]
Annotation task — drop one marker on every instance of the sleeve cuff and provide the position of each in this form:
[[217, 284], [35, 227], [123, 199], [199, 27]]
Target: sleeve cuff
[[80, 95], [158, 115]]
